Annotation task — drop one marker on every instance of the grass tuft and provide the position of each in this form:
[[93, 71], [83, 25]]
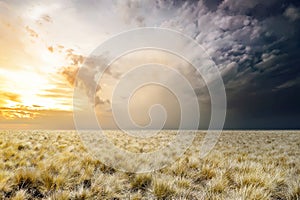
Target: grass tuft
[[141, 182], [163, 190]]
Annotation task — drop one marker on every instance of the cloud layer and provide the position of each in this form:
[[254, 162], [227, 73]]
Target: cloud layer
[[255, 44]]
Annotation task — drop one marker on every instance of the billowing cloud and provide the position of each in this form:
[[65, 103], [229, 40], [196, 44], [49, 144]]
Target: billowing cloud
[[255, 45]]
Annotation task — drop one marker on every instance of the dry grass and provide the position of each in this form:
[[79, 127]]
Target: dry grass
[[243, 165]]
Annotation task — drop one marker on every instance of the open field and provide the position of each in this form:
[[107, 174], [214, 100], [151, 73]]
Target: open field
[[243, 165]]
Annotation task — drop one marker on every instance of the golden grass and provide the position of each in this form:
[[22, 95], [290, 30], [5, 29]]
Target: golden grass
[[243, 165]]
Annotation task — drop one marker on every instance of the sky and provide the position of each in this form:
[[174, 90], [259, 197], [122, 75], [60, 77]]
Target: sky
[[255, 45]]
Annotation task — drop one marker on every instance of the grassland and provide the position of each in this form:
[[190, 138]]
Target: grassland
[[243, 165]]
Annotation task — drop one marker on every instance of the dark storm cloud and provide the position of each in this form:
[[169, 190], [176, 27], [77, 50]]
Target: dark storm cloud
[[267, 96], [256, 45]]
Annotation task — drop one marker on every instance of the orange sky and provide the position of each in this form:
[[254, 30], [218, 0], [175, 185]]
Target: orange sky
[[35, 87], [41, 47]]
